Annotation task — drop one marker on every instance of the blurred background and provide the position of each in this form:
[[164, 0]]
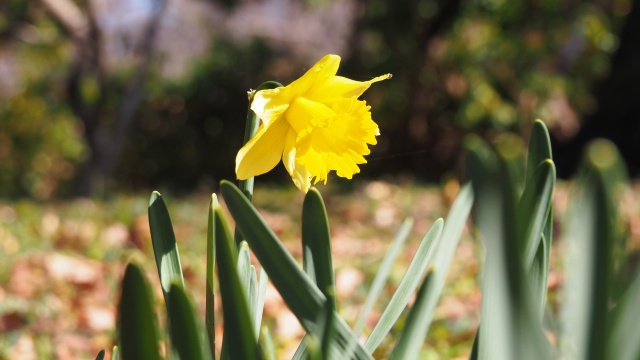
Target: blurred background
[[129, 95]]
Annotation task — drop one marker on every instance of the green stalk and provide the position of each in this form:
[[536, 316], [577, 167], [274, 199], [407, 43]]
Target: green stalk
[[251, 127], [246, 187], [210, 282]]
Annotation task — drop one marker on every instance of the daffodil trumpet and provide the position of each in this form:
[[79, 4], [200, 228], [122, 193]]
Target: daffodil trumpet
[[315, 125]]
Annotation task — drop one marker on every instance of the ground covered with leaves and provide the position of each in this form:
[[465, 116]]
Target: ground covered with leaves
[[61, 263]]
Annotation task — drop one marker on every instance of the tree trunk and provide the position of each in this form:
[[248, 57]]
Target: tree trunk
[[105, 137]]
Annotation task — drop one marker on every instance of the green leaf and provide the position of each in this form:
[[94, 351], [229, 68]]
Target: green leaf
[[165, 247], [253, 300], [280, 265], [299, 293], [539, 151], [622, 344], [210, 322], [115, 353], [266, 344], [326, 320], [249, 282], [538, 274], [547, 238], [240, 343], [244, 267], [377, 285], [533, 210], [590, 237], [186, 338], [509, 327], [443, 257], [496, 338], [415, 330], [100, 355], [260, 296], [316, 243], [539, 148], [407, 286], [137, 329], [314, 348], [302, 351]]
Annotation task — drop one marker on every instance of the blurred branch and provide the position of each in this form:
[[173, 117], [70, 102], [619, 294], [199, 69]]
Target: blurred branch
[[83, 30], [106, 139], [110, 141], [69, 16], [133, 96]]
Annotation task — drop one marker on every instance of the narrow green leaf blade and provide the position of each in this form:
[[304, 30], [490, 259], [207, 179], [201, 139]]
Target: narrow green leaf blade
[[415, 330], [539, 148], [590, 238], [244, 267], [538, 274], [267, 344], [539, 151], [137, 328], [495, 336], [100, 355], [622, 345], [533, 209], [377, 285], [306, 299], [407, 286], [186, 337], [314, 348], [509, 327], [325, 322], [301, 352], [165, 247], [316, 243], [210, 323], [259, 306], [297, 290], [547, 238], [115, 353], [240, 343], [443, 257], [253, 299]]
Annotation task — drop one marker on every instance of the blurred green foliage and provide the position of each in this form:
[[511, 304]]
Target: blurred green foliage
[[189, 131], [40, 142], [515, 57], [481, 66], [11, 13]]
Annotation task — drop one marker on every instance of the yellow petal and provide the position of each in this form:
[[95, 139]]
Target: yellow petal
[[303, 113], [263, 152], [289, 152], [339, 146], [270, 104], [341, 87], [315, 124], [325, 69], [299, 174]]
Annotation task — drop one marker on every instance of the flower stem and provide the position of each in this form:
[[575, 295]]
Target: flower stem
[[250, 129]]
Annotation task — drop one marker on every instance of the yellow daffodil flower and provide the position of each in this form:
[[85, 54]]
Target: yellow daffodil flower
[[316, 124]]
